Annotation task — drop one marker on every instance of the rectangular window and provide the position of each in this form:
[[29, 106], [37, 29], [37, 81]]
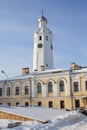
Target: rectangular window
[[47, 38], [85, 85], [77, 103], [39, 103], [76, 86], [26, 89], [9, 104], [26, 103], [0, 91], [17, 103], [50, 103], [17, 90], [62, 105], [46, 65], [8, 91], [40, 38]]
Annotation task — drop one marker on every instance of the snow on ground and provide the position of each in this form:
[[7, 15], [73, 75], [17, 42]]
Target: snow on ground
[[72, 120]]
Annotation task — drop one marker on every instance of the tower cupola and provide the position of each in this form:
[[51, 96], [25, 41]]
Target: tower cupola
[[42, 21]]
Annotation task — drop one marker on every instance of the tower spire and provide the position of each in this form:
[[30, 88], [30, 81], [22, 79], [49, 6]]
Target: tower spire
[[42, 12]]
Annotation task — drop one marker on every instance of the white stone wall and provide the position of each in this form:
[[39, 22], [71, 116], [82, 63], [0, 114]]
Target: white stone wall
[[44, 55]]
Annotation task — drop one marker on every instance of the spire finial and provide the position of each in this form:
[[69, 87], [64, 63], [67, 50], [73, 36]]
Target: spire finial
[[42, 12]]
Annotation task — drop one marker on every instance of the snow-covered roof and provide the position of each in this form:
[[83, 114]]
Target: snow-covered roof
[[54, 70], [82, 70], [37, 113], [47, 72], [30, 75]]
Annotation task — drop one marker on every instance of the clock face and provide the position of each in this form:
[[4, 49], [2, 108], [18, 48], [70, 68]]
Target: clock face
[[40, 45]]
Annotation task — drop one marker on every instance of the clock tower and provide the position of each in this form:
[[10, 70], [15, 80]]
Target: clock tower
[[43, 48]]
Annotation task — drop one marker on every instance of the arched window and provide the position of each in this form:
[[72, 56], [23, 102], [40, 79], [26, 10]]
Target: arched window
[[61, 85], [39, 88], [50, 87]]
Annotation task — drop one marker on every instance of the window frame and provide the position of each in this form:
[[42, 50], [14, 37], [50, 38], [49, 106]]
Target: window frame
[[26, 104], [46, 37], [50, 104], [62, 104], [40, 38], [8, 91], [86, 85], [17, 104], [77, 103], [39, 88], [17, 90], [39, 103], [9, 104], [62, 86], [76, 86], [50, 87], [1, 91], [26, 89]]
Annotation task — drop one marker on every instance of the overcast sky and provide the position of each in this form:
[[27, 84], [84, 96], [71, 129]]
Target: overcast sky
[[67, 19]]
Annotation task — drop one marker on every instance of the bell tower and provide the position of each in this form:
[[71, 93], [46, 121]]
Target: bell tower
[[43, 48]]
